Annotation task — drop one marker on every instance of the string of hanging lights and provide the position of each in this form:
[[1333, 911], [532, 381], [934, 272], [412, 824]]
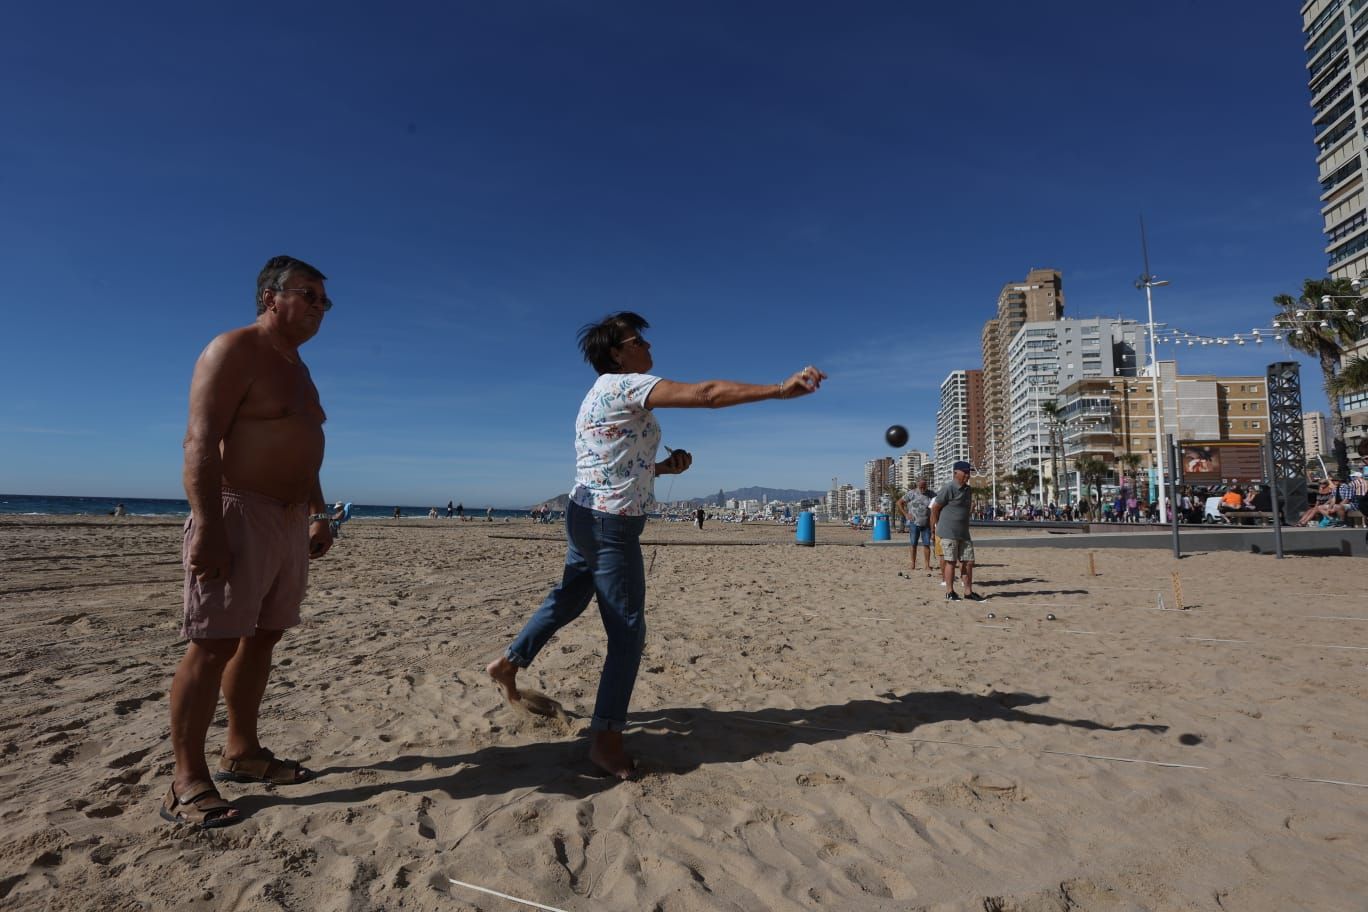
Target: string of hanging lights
[[1295, 323]]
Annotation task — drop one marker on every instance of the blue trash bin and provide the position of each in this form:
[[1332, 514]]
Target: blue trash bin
[[807, 529], [880, 527]]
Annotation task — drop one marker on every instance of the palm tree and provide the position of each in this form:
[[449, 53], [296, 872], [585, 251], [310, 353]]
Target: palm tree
[[1024, 480], [1094, 472], [1352, 377], [1313, 330], [1132, 463], [1054, 418]]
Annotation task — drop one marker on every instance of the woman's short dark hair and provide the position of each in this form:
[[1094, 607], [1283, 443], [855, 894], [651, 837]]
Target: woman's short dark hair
[[597, 340]]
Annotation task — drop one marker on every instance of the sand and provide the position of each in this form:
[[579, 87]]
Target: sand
[[815, 731]]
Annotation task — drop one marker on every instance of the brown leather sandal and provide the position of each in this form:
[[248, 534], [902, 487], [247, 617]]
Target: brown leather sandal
[[264, 767], [201, 806]]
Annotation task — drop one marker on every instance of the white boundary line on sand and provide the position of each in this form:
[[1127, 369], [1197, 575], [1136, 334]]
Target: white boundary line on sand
[[1193, 639], [900, 736], [525, 902]]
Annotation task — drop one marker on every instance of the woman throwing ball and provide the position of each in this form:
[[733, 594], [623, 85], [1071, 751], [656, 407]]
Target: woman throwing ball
[[616, 438]]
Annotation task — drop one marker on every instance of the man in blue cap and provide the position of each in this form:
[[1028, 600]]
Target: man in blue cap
[[950, 513]]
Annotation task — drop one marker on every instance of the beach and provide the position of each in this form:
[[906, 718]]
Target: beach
[[814, 730]]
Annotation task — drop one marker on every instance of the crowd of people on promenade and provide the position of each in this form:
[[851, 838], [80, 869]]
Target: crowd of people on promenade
[[1334, 501]]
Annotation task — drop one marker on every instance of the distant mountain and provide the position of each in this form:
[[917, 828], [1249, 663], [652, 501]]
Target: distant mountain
[[560, 502], [787, 495]]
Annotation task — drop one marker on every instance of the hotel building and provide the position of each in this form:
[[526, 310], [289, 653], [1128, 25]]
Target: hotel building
[[1038, 299]]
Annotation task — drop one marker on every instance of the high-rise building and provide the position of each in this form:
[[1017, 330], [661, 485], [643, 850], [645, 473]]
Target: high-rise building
[[961, 410], [1039, 298], [1045, 357], [908, 469], [878, 475], [1354, 407], [1313, 430], [1336, 54]]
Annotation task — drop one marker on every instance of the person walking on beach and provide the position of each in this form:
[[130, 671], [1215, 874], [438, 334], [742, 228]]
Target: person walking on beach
[[950, 515], [616, 439], [253, 448], [915, 506], [450, 509]]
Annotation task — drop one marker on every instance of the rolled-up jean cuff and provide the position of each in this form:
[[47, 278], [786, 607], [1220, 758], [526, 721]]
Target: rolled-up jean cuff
[[516, 659], [606, 725]]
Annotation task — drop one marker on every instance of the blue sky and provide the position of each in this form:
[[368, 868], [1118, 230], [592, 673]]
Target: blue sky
[[770, 184]]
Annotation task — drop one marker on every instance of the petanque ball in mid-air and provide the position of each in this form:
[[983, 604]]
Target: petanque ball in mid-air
[[896, 435]]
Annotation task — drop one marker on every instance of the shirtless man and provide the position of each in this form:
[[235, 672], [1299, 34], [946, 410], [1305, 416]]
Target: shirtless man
[[253, 448]]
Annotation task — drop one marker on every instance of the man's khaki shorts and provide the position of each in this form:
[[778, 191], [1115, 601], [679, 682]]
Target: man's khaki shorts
[[269, 541], [957, 549]]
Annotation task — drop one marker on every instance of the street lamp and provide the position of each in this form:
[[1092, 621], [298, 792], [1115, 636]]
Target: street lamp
[[1147, 282], [992, 449]]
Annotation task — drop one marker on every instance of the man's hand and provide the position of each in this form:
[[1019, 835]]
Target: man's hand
[[677, 463], [805, 381], [210, 559], [320, 538]]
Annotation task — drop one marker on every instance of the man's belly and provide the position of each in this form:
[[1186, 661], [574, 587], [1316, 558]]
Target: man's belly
[[279, 458]]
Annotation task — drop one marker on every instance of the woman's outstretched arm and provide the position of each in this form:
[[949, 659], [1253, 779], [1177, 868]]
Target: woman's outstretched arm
[[724, 393]]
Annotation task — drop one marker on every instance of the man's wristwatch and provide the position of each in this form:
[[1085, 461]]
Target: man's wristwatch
[[317, 517]]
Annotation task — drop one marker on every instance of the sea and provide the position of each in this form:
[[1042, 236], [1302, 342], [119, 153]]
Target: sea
[[53, 505]]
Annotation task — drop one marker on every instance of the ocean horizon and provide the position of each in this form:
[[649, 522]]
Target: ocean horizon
[[63, 505]]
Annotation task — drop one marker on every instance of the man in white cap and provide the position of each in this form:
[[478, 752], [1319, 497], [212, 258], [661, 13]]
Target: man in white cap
[[950, 513]]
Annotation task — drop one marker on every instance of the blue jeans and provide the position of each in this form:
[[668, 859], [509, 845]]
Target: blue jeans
[[921, 535], [603, 558]]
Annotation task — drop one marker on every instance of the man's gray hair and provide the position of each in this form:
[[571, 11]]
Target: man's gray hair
[[277, 271]]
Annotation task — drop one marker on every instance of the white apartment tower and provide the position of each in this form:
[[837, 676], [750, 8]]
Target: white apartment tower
[[953, 421], [909, 468], [1313, 429], [1045, 357], [1335, 33]]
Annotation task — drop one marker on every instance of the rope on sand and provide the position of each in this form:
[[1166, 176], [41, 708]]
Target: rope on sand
[[1195, 639], [1357, 785], [525, 902], [899, 736], [1190, 766]]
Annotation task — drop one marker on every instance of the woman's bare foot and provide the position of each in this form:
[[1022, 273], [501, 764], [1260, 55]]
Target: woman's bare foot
[[606, 752], [505, 673]]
